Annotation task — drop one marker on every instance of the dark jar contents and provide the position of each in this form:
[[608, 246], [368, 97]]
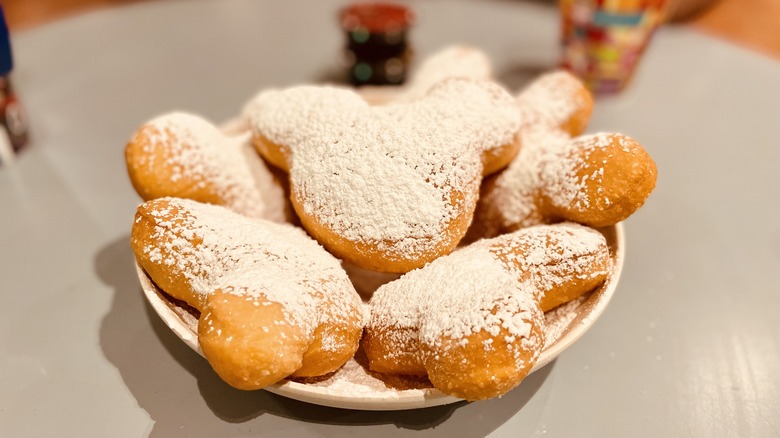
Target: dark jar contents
[[377, 50]]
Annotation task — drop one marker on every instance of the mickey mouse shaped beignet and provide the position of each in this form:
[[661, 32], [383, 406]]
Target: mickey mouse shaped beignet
[[597, 179], [393, 187], [473, 321], [186, 156], [273, 303]]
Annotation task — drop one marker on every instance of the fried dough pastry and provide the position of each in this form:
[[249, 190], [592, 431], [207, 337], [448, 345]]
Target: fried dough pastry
[[185, 156], [388, 188], [556, 100], [454, 61], [597, 180], [273, 303], [473, 321]]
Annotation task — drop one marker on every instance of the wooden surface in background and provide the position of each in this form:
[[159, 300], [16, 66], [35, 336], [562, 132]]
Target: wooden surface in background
[[24, 14], [751, 23], [754, 24]]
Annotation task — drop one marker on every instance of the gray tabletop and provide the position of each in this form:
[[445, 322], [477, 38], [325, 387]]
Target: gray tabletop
[[690, 345]]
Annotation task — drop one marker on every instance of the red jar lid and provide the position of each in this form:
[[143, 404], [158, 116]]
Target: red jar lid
[[376, 17]]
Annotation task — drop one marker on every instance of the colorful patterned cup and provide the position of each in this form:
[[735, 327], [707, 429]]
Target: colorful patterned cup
[[603, 40]]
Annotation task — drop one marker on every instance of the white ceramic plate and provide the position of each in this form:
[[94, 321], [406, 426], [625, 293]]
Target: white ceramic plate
[[353, 387]]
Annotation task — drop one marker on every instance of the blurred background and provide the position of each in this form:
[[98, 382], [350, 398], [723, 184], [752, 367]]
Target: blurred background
[[750, 23]]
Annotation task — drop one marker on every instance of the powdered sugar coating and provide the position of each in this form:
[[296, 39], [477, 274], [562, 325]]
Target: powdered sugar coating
[[552, 99], [561, 170], [456, 61], [392, 176], [516, 189], [199, 152], [493, 285], [547, 169], [454, 297], [559, 320], [215, 248], [353, 386], [548, 256]]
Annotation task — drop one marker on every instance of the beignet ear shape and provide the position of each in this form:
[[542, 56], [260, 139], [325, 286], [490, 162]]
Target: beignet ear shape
[[557, 100], [393, 187], [596, 180], [185, 156]]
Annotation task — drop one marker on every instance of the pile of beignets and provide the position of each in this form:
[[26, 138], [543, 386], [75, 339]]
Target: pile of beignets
[[482, 203]]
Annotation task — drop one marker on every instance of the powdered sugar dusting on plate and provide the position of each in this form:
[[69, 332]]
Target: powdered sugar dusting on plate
[[558, 320]]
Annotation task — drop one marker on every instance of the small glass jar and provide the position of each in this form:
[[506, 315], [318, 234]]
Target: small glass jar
[[377, 50]]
